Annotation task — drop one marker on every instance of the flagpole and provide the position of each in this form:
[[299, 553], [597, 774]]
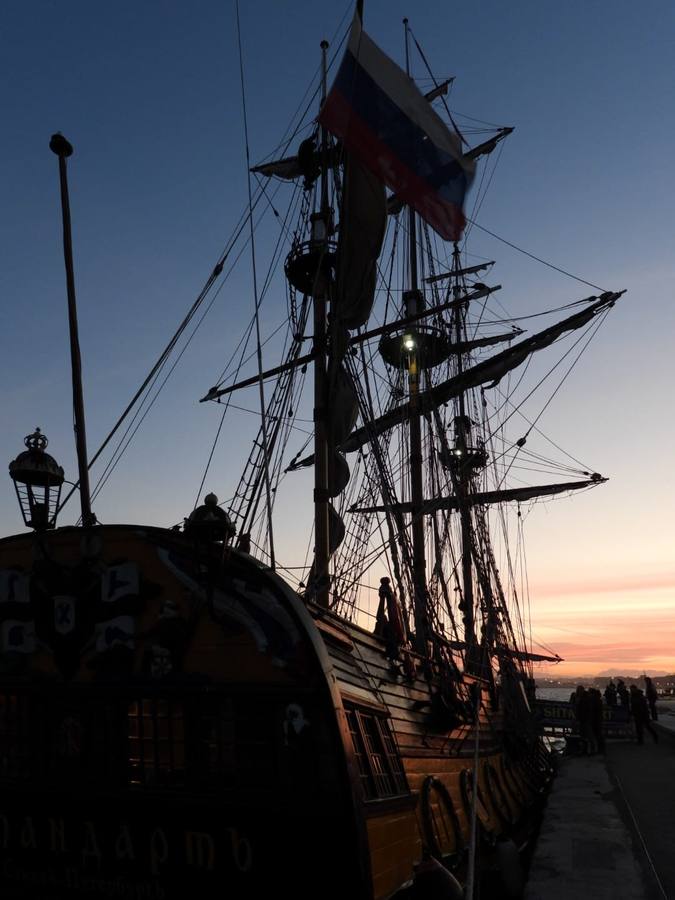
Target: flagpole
[[60, 146]]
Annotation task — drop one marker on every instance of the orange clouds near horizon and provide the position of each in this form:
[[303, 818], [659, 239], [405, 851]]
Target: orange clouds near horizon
[[625, 624]]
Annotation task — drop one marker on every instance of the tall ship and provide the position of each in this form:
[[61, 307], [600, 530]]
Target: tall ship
[[183, 710]]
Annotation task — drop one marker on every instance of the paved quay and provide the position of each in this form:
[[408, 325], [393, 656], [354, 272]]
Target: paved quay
[[608, 829], [645, 777], [585, 847]]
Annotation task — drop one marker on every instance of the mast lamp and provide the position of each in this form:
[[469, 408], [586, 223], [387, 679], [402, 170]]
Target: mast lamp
[[37, 479]]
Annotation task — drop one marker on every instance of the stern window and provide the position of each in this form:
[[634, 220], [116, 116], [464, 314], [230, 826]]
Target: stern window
[[377, 757], [156, 742], [15, 743], [216, 763]]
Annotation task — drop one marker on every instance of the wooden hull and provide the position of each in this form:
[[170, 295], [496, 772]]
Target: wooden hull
[[438, 763], [173, 718]]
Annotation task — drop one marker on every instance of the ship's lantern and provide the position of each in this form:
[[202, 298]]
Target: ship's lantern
[[37, 479], [210, 523], [430, 346]]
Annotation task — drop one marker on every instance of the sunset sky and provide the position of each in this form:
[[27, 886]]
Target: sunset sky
[[149, 94]]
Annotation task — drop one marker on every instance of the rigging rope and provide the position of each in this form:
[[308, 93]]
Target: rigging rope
[[431, 75], [594, 331], [480, 199], [152, 376], [284, 143], [256, 299], [536, 258], [124, 443]]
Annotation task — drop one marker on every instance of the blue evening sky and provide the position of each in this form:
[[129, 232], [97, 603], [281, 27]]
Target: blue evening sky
[[149, 94]]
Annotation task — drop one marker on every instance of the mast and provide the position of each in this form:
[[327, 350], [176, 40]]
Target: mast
[[413, 303], [462, 429], [320, 233]]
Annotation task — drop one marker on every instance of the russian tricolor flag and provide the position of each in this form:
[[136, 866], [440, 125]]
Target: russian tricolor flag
[[384, 120]]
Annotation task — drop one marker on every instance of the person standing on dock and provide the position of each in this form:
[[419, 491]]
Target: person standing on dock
[[610, 693], [581, 704], [622, 691], [595, 712], [651, 695], [640, 712]]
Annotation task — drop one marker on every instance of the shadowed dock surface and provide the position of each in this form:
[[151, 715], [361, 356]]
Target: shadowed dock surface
[[646, 776], [585, 849]]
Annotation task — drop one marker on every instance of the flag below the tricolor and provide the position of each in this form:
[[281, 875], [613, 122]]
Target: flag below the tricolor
[[382, 118], [17, 637], [119, 631]]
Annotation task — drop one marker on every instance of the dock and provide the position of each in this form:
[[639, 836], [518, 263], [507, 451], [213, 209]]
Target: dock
[[608, 829]]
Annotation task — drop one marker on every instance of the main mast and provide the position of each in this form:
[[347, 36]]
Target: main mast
[[413, 304], [320, 235]]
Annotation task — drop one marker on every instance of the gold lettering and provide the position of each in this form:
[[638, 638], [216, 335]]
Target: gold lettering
[[198, 847], [124, 848], [242, 851], [159, 850], [28, 834], [91, 848], [57, 835]]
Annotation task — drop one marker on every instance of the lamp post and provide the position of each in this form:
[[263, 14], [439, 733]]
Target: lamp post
[[37, 479]]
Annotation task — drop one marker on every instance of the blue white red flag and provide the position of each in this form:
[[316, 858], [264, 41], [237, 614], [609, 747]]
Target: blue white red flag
[[384, 120]]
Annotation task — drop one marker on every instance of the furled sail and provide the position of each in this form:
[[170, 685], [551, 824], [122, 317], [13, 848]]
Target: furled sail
[[344, 410], [363, 219], [305, 164], [519, 495], [287, 168], [490, 371], [509, 652], [457, 273]]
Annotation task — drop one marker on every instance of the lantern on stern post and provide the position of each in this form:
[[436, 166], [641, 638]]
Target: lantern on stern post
[[37, 479], [210, 523]]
